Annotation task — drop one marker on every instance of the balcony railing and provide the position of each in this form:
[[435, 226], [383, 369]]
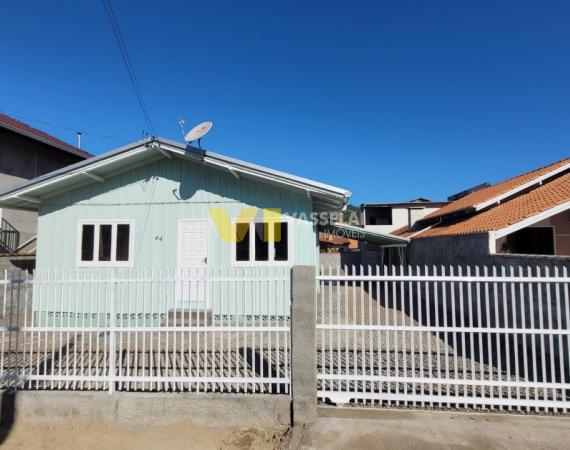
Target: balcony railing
[[9, 237]]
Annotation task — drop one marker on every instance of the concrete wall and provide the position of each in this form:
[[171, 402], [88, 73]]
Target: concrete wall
[[303, 345], [473, 250], [368, 255], [340, 259], [140, 410], [26, 222], [21, 159]]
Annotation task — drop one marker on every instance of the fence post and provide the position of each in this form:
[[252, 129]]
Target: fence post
[[112, 333], [303, 350]]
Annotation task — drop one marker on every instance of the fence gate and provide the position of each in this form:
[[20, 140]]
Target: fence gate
[[495, 338], [140, 330]]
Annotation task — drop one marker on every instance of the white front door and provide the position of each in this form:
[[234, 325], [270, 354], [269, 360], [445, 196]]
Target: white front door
[[192, 264]]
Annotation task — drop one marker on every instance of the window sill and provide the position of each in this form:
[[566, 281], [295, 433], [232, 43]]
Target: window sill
[[104, 265], [261, 264]]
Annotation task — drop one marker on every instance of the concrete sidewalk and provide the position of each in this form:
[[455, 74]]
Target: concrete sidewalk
[[362, 428]]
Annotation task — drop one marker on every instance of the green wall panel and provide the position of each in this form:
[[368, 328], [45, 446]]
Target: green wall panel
[[155, 197]]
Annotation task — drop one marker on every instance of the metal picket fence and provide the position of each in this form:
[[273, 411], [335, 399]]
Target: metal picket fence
[[205, 330], [491, 337]]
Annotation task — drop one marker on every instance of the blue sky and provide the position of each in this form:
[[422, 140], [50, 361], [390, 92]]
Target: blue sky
[[392, 100]]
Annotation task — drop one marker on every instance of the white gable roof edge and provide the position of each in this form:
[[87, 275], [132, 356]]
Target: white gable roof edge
[[337, 196], [522, 187]]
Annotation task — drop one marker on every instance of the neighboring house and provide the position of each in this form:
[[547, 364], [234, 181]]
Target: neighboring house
[[387, 217], [26, 153], [519, 221], [157, 204]]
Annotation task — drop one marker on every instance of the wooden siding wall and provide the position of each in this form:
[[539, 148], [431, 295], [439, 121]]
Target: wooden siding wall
[[155, 196]]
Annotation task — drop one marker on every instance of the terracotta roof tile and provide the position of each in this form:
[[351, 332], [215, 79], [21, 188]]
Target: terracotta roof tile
[[546, 196], [482, 195], [402, 231], [21, 127], [335, 240]]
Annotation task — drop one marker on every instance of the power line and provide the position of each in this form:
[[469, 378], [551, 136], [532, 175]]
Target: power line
[[128, 64], [74, 130]]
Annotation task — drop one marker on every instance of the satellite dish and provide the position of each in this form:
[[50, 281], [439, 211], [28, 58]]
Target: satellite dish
[[198, 132]]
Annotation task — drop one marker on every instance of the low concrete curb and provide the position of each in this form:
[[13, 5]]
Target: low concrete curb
[[138, 409]]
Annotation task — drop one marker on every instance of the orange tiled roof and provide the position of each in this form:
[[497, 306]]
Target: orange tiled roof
[[482, 195], [337, 240], [403, 231], [544, 197]]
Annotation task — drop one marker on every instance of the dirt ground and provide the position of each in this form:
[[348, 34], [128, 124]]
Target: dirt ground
[[98, 435], [343, 428], [335, 428]]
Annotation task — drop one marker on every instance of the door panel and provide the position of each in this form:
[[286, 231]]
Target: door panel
[[192, 264]]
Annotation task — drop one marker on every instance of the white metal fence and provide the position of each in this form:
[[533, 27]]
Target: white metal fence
[[495, 337], [152, 330]]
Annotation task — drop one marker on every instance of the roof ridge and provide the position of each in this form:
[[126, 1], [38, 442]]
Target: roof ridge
[[54, 141], [498, 189], [528, 173], [530, 204]]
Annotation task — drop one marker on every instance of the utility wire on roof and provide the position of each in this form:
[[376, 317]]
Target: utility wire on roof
[[130, 69], [31, 119]]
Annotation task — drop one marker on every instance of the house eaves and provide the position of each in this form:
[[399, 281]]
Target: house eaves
[[495, 194], [23, 129], [28, 195], [521, 188]]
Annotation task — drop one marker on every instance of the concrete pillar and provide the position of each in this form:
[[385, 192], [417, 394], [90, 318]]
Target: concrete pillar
[[303, 350]]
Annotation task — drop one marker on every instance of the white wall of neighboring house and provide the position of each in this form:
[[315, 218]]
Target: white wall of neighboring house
[[401, 215]]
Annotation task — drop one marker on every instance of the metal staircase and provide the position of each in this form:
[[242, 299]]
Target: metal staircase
[[9, 237]]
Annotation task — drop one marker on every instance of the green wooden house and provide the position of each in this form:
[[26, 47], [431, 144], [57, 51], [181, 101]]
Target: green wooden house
[[160, 205]]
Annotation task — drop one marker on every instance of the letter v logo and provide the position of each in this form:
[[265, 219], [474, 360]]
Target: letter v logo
[[224, 226]]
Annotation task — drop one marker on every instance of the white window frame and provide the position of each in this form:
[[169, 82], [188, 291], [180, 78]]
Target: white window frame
[[113, 262], [270, 262]]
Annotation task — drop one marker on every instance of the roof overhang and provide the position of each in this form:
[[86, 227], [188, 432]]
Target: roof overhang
[[500, 198], [521, 188], [68, 149], [361, 234], [29, 195], [531, 220]]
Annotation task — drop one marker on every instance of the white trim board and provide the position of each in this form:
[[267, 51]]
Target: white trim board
[[113, 263], [271, 259], [522, 187]]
